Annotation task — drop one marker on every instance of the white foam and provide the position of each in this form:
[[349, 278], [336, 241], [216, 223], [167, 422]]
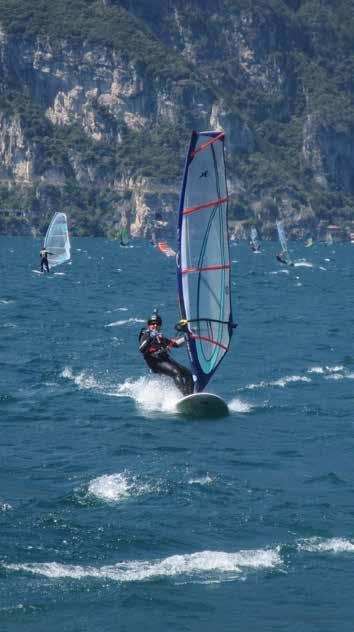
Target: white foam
[[112, 488], [282, 382], [326, 370], [238, 406], [5, 507], [151, 393], [216, 565], [117, 309], [203, 480], [83, 380], [4, 301], [303, 264], [279, 272], [118, 323], [262, 384], [321, 545]]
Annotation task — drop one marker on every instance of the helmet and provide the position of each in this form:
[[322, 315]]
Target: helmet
[[155, 318]]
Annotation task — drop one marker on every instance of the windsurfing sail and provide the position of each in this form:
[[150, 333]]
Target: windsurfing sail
[[256, 246], [203, 261], [329, 239], [123, 236], [57, 240], [169, 252], [283, 241], [282, 237]]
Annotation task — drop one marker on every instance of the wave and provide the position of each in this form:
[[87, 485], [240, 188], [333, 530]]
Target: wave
[[203, 480], [5, 507], [151, 393], [197, 567], [322, 545], [238, 406], [332, 372], [303, 264], [128, 321], [325, 369], [281, 382], [117, 309], [83, 380], [114, 488], [9, 325]]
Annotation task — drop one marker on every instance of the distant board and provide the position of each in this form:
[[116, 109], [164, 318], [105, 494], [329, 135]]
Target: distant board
[[202, 406]]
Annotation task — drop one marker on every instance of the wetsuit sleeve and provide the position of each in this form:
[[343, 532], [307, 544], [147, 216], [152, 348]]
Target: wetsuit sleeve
[[144, 342]]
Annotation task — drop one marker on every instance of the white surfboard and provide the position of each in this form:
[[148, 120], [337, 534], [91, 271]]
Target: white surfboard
[[203, 405]]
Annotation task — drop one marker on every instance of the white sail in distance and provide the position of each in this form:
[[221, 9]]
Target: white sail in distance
[[57, 240]]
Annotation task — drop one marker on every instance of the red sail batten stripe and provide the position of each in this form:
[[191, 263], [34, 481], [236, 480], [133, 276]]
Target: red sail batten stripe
[[212, 140], [209, 340], [207, 205], [225, 267]]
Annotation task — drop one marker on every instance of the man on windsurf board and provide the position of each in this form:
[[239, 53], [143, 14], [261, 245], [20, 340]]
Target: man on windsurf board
[[44, 259], [154, 346]]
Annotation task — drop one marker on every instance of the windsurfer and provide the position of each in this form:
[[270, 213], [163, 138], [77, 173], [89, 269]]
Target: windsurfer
[[154, 346], [44, 259], [281, 258]]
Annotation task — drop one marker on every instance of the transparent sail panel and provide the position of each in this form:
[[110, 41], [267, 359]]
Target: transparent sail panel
[[57, 240], [204, 262]]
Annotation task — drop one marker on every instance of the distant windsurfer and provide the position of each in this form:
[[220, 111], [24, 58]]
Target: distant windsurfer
[[44, 259], [154, 346], [281, 258], [255, 247]]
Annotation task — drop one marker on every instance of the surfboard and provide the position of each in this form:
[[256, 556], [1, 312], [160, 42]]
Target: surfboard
[[203, 405]]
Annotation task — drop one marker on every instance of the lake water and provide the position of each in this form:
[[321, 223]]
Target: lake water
[[116, 514]]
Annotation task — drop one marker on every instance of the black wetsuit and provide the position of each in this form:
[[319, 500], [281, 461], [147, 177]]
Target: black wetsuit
[[44, 260], [281, 260], [153, 345]]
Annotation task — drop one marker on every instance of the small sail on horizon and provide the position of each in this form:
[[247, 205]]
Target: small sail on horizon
[[203, 261], [329, 239], [123, 236], [255, 243], [57, 241], [283, 240]]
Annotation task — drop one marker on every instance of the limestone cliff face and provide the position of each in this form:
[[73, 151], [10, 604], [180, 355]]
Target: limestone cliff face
[[102, 108], [329, 153], [17, 157]]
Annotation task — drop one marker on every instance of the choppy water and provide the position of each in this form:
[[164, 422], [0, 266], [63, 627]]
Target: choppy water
[[117, 515]]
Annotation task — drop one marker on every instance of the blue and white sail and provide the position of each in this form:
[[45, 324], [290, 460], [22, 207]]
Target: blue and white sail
[[203, 261], [57, 240]]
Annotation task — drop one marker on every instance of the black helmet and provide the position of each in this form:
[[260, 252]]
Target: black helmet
[[155, 318]]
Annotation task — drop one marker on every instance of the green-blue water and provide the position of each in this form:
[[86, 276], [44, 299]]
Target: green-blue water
[[117, 515]]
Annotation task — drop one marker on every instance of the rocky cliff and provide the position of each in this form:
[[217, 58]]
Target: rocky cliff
[[97, 100]]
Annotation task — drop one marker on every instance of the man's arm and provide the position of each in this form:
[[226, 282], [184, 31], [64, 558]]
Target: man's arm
[[144, 342]]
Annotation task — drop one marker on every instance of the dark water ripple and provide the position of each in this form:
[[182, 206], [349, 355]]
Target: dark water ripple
[[117, 515]]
